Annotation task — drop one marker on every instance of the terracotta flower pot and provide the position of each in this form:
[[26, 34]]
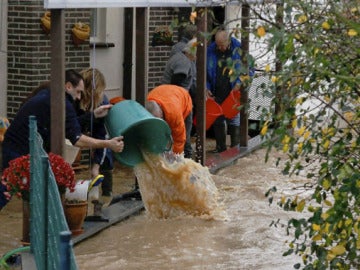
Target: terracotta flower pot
[[75, 214]]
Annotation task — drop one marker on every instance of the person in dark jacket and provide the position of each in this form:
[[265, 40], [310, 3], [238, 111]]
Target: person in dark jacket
[[16, 140]]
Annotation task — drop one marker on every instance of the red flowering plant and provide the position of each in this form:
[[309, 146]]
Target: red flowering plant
[[16, 177]]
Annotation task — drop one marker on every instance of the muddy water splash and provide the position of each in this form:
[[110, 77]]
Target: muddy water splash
[[180, 187]]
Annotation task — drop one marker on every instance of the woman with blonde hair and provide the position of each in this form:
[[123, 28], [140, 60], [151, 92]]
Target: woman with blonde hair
[[94, 86], [92, 97]]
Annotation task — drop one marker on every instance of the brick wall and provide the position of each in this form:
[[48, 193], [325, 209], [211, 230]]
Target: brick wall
[[158, 55], [29, 49]]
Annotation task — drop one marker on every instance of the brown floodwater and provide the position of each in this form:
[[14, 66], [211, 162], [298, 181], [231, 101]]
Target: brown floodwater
[[242, 239]]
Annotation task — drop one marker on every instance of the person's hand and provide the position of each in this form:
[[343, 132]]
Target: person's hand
[[102, 110], [116, 144], [209, 94], [237, 87]]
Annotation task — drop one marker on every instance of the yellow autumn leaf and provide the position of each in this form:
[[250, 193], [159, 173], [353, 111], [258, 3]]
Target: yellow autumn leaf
[[299, 101], [261, 31], [358, 183], [298, 81], [327, 98], [306, 134], [327, 202], [352, 32], [317, 237], [300, 206], [326, 184], [193, 16], [325, 25], [330, 256], [316, 227], [285, 148], [274, 79], [267, 68], [301, 130], [282, 201], [286, 139], [340, 224], [326, 228], [326, 144], [300, 147], [348, 222], [302, 18], [343, 234], [324, 216], [358, 243], [349, 116], [244, 78], [338, 250], [264, 130], [294, 123]]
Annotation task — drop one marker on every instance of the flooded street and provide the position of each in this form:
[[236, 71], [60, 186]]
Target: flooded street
[[243, 240]]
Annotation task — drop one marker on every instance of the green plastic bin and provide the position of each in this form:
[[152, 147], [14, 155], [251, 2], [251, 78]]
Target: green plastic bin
[[140, 129]]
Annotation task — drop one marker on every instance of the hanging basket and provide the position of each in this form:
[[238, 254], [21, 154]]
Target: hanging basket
[[46, 22], [80, 33], [162, 37]]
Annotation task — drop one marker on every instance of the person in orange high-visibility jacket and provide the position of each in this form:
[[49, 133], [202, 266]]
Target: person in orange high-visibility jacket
[[173, 104]]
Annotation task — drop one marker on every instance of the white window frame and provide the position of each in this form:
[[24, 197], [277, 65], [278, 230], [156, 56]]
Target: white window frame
[[98, 25]]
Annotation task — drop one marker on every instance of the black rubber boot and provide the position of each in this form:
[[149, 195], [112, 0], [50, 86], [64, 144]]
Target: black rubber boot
[[107, 183], [220, 135], [234, 132]]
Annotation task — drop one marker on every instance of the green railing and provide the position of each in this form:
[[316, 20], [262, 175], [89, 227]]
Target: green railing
[[47, 219]]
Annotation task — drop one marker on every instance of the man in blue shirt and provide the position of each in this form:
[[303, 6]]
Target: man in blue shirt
[[223, 75]]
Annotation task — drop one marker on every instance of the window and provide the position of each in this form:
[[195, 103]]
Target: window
[[98, 25]]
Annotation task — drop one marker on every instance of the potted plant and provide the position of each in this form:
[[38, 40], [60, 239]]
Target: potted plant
[[162, 36], [76, 203], [16, 178], [76, 206], [75, 212]]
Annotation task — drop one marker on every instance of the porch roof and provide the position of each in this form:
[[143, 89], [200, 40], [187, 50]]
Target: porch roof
[[140, 3]]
